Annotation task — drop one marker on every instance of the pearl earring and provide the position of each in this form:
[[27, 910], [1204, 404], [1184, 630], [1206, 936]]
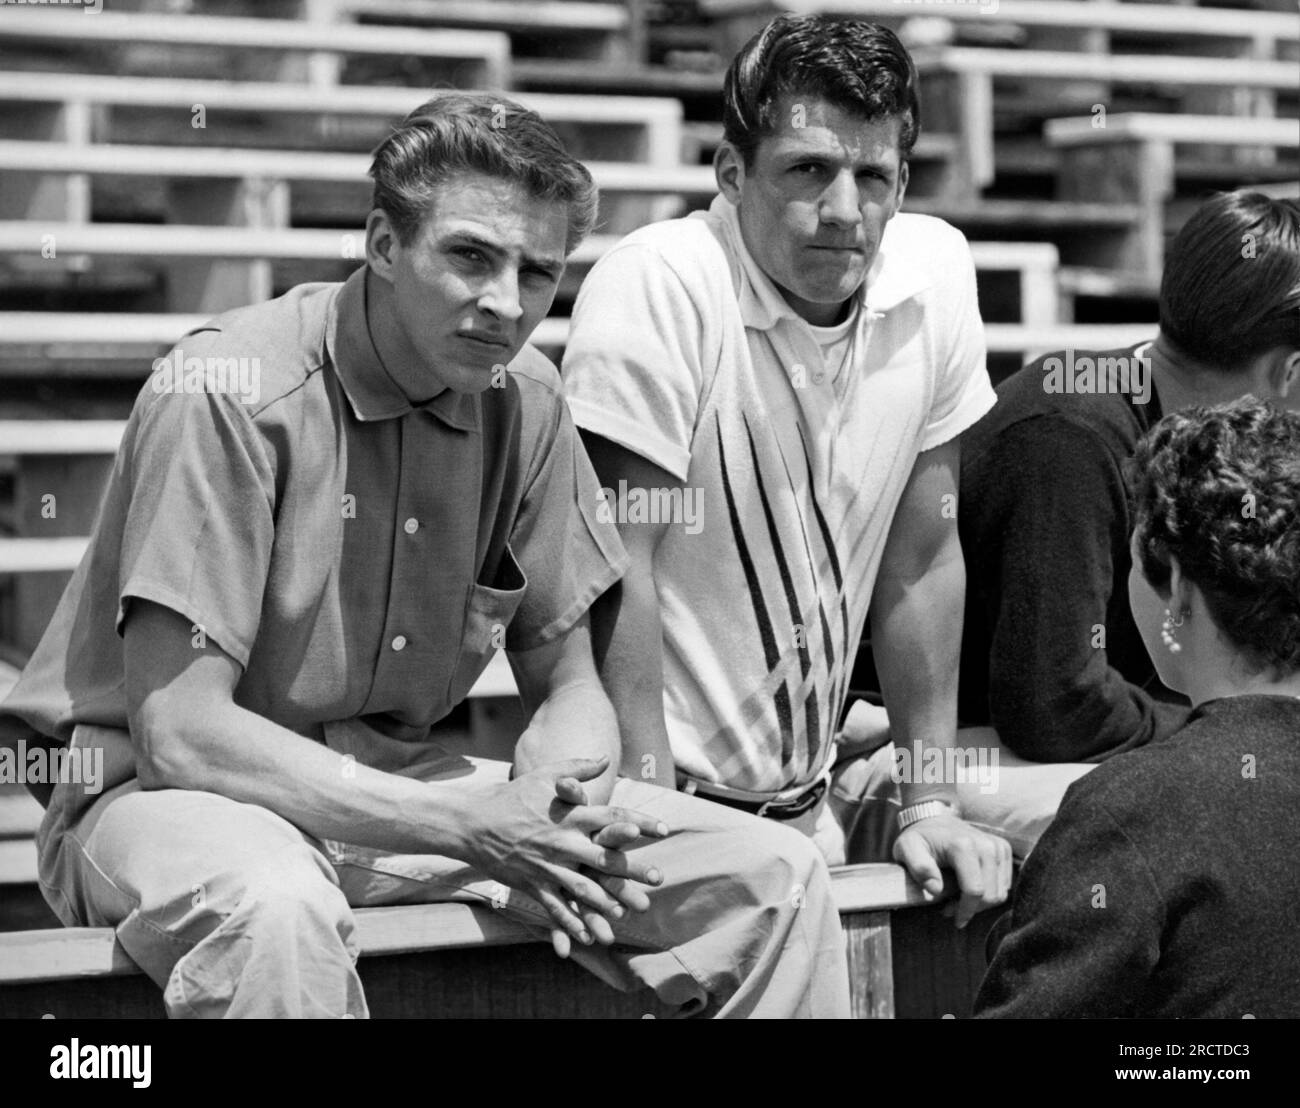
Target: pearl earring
[[1167, 631]]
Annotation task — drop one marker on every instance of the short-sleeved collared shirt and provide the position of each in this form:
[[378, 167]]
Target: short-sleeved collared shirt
[[362, 559], [794, 445]]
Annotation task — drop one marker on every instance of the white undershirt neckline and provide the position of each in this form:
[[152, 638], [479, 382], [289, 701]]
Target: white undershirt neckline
[[836, 342]]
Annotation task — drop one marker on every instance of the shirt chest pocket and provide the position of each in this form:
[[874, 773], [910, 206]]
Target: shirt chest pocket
[[488, 613]]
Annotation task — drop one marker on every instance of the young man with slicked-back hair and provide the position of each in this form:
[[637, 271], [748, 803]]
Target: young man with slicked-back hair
[[803, 360], [1051, 657], [282, 597]]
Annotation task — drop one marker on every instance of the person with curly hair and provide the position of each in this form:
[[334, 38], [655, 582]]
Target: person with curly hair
[[1054, 678], [1050, 658], [1167, 886]]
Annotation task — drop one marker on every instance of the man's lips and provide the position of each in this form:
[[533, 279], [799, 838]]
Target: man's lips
[[484, 340]]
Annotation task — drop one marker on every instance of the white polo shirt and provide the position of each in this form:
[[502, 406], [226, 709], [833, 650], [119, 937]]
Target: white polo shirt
[[794, 444]]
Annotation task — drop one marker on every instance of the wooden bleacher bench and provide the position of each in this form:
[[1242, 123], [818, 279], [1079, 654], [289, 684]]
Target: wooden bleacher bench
[[75, 971], [615, 128], [1130, 160], [1094, 233], [481, 59], [260, 187], [1170, 129], [1263, 32], [959, 85], [293, 165], [71, 457], [579, 28], [436, 959], [1035, 263], [546, 74], [256, 188], [65, 333]]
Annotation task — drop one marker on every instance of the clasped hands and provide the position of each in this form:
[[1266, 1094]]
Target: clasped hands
[[539, 834]]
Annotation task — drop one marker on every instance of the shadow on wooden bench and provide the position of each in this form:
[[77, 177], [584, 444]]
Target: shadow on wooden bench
[[460, 960]]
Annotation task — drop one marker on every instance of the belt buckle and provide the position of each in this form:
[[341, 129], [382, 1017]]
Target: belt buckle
[[793, 809]]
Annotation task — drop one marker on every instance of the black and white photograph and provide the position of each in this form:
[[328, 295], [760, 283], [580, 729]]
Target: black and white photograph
[[651, 509]]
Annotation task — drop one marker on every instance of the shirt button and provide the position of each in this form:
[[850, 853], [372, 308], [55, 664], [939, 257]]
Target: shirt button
[[399, 643], [411, 526]]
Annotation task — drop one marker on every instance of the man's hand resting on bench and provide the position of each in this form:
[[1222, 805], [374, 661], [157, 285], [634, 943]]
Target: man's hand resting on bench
[[537, 834], [980, 861]]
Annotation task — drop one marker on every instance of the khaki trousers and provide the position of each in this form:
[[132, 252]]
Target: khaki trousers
[[233, 911]]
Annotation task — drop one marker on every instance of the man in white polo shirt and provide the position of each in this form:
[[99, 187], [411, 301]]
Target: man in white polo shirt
[[794, 365]]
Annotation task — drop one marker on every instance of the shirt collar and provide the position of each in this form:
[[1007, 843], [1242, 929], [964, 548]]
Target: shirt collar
[[894, 276], [368, 385]]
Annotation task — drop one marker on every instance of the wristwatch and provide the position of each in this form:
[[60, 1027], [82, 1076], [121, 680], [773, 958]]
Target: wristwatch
[[927, 808]]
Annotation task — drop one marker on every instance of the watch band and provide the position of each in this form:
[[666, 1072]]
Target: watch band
[[924, 810]]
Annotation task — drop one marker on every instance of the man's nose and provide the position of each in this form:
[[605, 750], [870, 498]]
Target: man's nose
[[840, 203], [500, 296]]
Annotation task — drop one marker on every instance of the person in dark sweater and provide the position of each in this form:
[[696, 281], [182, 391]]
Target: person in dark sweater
[[1051, 658], [1167, 885], [1054, 679]]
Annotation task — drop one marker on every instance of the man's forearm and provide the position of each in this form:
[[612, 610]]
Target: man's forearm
[[575, 721], [916, 629], [236, 753], [632, 672]]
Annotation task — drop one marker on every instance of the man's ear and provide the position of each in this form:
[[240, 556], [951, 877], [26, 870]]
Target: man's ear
[[729, 169], [1285, 376], [382, 246], [904, 175]]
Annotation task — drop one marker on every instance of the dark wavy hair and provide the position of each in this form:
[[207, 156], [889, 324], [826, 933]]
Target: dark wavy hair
[[484, 133], [1231, 285], [1219, 489], [860, 67]]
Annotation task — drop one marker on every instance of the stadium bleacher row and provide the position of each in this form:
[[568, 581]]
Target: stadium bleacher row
[[163, 161]]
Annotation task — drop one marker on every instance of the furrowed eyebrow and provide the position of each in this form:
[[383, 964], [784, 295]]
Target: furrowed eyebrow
[[794, 158], [551, 266], [468, 238]]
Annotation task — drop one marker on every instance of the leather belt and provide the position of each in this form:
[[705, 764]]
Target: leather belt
[[792, 808]]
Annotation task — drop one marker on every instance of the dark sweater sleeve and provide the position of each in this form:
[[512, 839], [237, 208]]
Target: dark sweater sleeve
[[1053, 695], [1084, 928]]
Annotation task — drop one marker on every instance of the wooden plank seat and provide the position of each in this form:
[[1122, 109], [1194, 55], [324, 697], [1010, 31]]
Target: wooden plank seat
[[1090, 224], [1131, 160], [1034, 263], [152, 240], [616, 128], [34, 964], [293, 165], [71, 456], [59, 335], [260, 187], [47, 159], [573, 28], [229, 187], [959, 84], [480, 59], [703, 87], [1128, 127], [1134, 20]]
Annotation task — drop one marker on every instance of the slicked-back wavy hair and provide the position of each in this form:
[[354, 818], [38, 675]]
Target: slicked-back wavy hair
[[484, 133], [1231, 285], [1219, 489], [860, 67]]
